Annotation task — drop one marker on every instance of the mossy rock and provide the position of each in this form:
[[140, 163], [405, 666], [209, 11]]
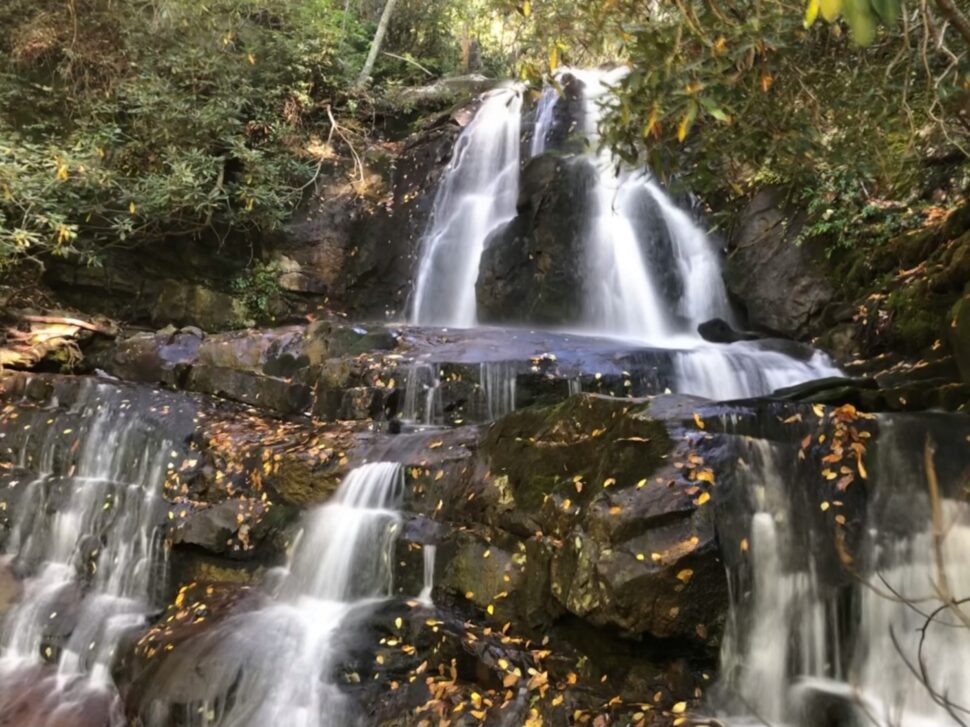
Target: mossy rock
[[959, 334], [586, 439], [298, 483]]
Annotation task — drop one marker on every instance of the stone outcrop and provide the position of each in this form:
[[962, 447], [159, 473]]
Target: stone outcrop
[[781, 285], [531, 268]]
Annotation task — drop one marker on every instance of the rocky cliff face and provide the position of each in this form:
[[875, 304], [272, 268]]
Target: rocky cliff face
[[532, 268], [783, 287], [587, 541]]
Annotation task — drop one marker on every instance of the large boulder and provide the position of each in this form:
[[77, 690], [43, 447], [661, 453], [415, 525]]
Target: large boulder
[[781, 283], [529, 270]]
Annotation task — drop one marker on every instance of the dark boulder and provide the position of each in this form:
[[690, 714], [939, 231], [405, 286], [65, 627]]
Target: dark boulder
[[781, 283], [529, 270], [718, 330], [162, 358]]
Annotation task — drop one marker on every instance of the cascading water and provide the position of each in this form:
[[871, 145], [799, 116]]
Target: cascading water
[[622, 298], [273, 666], [478, 193], [652, 275], [88, 541], [498, 379], [545, 115], [791, 653], [421, 404]]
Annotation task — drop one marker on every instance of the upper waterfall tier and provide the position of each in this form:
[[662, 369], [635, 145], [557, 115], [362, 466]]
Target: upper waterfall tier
[[639, 267], [477, 194]]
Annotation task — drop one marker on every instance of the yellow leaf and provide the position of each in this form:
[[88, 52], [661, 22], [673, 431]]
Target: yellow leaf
[[831, 9], [527, 8], [685, 575], [697, 417], [651, 126], [682, 128], [702, 498], [553, 58], [132, 208], [251, 58], [679, 708], [744, 545], [811, 13], [609, 482], [706, 476]]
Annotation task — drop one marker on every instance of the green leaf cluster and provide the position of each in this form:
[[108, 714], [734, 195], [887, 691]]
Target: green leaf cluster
[[129, 122]]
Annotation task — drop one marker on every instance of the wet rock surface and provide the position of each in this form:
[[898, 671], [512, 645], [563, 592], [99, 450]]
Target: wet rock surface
[[782, 287], [583, 548], [528, 270]]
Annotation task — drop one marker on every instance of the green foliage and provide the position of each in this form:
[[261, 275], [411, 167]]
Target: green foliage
[[258, 287], [727, 96], [842, 213], [130, 122]]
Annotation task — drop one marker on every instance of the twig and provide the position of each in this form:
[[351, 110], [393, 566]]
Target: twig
[[408, 60]]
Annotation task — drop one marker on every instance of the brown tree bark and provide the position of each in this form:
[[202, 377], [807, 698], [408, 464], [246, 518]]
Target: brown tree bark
[[956, 17], [375, 45]]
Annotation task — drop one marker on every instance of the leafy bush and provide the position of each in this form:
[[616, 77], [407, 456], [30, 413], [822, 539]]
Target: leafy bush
[[125, 123]]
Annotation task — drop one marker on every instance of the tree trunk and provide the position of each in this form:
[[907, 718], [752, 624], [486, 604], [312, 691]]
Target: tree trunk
[[375, 46]]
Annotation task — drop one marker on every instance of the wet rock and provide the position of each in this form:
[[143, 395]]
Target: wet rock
[[163, 358], [185, 304], [273, 394], [819, 389], [528, 269], [717, 330], [959, 332], [384, 240], [782, 286], [325, 340]]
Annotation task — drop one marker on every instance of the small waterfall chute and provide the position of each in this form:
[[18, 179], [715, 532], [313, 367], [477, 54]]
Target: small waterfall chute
[[274, 665], [478, 193]]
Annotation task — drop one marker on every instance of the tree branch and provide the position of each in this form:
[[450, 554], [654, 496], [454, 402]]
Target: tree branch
[[960, 21]]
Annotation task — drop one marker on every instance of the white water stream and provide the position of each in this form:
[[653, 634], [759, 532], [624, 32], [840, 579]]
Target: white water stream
[[786, 659], [87, 537], [274, 666], [626, 259], [478, 193]]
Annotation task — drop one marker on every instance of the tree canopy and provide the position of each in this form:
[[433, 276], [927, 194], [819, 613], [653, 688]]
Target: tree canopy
[[129, 121]]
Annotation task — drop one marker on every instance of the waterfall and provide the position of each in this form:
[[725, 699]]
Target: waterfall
[[498, 381], [422, 403], [88, 541], [622, 297], [545, 114], [651, 273], [785, 659], [742, 370], [478, 192], [274, 666], [428, 553]]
